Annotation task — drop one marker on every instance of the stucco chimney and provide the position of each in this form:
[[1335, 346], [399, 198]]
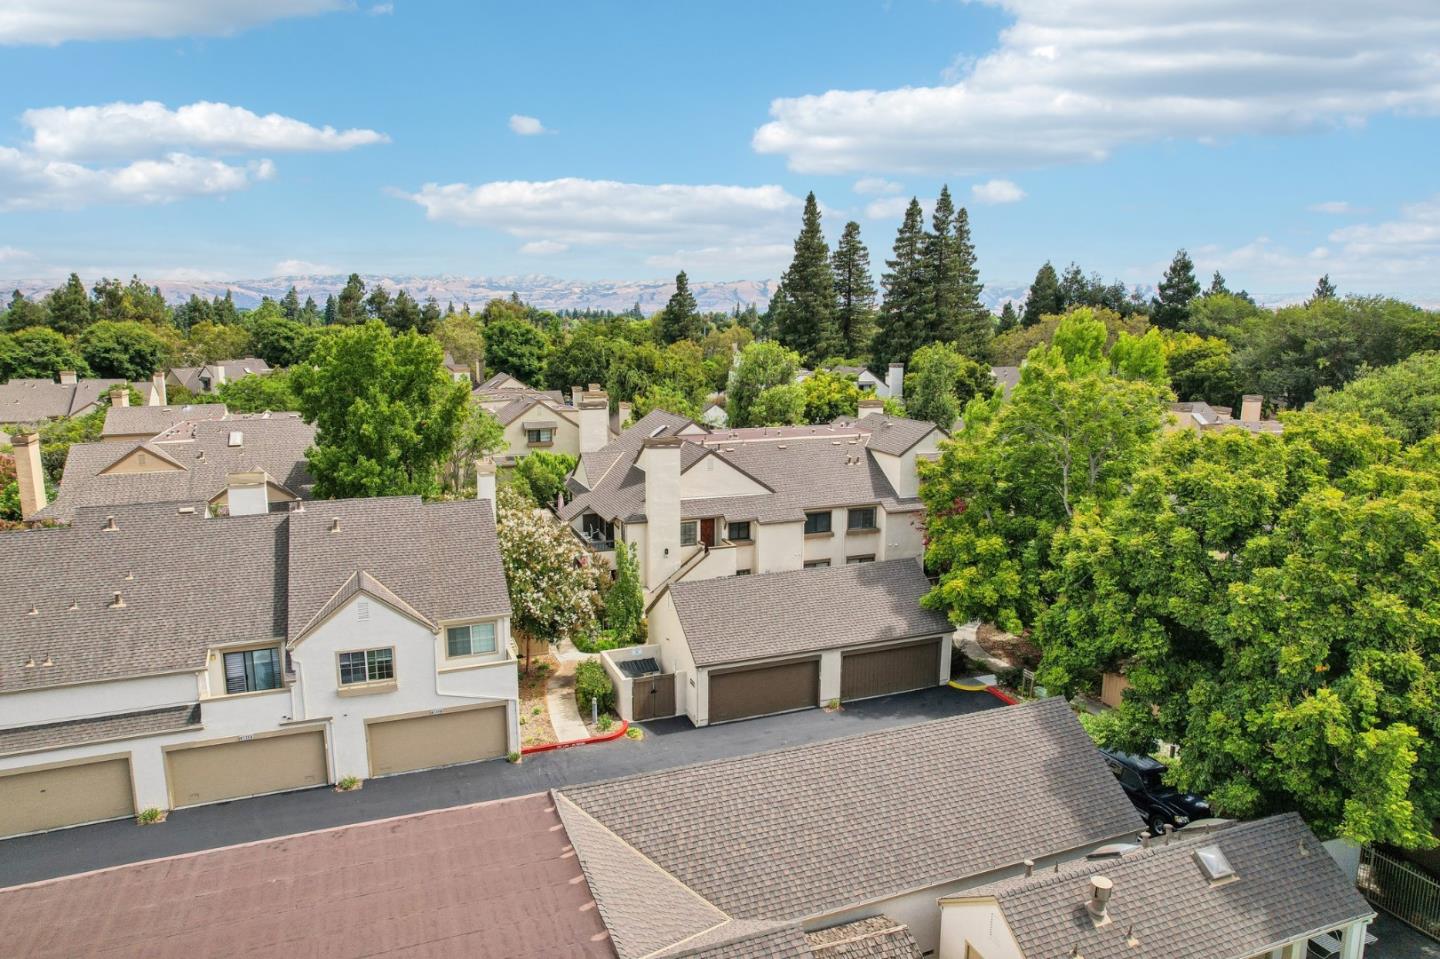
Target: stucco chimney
[[896, 380], [622, 413], [68, 377], [660, 460], [1100, 889], [577, 393], [218, 369], [1250, 406], [871, 404], [157, 389], [120, 397], [594, 420], [29, 474], [485, 481]]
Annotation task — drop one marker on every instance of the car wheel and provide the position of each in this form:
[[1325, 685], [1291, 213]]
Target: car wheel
[[1157, 824]]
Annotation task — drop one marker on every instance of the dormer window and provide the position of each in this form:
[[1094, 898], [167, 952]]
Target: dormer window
[[474, 639]]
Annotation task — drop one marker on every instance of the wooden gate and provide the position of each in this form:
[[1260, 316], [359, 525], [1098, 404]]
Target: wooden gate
[[653, 697]]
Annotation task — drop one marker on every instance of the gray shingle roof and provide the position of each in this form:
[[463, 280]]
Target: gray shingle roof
[[878, 937], [745, 939], [735, 618], [611, 479], [190, 376], [1287, 886], [810, 830], [275, 443], [280, 570], [1006, 377], [152, 420], [37, 400], [895, 434], [95, 729], [442, 559]]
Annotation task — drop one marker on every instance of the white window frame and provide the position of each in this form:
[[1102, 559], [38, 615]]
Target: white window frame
[[372, 662], [470, 629], [692, 526]]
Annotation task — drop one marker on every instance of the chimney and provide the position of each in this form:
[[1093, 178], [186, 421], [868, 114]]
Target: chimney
[[1100, 890], [660, 460], [67, 377], [1029, 868], [218, 370], [871, 404], [247, 494], [29, 474], [1250, 406], [577, 393], [485, 481], [594, 419], [157, 389], [120, 397], [622, 413], [896, 380]]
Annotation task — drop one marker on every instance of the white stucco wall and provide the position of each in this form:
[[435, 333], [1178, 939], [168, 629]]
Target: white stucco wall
[[662, 512], [669, 638], [977, 923], [55, 704], [778, 546], [566, 438], [424, 679], [902, 535], [901, 470], [712, 476]]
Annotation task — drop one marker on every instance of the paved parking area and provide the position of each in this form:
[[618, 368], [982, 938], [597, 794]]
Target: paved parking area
[[1395, 940], [668, 743]]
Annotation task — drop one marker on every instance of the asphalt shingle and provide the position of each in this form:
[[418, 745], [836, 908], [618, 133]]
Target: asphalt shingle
[[878, 937], [153, 420], [33, 401], [96, 729]]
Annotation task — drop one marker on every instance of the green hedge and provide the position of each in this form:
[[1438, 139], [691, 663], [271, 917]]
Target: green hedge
[[592, 682]]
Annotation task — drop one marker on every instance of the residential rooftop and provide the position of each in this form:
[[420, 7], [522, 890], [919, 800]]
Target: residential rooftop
[[153, 420], [33, 401], [193, 377]]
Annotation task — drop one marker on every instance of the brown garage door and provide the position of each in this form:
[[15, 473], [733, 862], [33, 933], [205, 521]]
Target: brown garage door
[[32, 801], [443, 739], [246, 767], [760, 690], [890, 669]]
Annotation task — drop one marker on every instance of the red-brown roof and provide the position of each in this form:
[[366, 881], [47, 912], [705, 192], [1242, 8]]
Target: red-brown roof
[[489, 880]]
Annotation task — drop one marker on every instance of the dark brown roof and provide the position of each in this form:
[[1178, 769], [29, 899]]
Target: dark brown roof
[[96, 729], [496, 880], [734, 618], [1287, 886], [812, 830]]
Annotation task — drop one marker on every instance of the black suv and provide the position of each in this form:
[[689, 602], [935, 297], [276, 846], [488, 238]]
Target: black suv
[[1161, 805]]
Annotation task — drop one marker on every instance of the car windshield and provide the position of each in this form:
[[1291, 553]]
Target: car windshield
[[1151, 778]]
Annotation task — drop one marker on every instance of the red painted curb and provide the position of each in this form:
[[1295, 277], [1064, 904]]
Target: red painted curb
[[1001, 695], [607, 737]]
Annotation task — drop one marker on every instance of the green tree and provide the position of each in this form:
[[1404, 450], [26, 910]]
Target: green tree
[[1170, 308], [941, 381], [23, 312], [805, 305], [208, 342], [42, 352], [459, 335], [290, 304], [1009, 319], [1072, 432], [1217, 286], [405, 314], [280, 341], [69, 307], [782, 405], [901, 325], [1223, 315], [1324, 290], [955, 313], [124, 350], [385, 411], [541, 475], [625, 600], [1403, 400], [350, 305], [1201, 368], [1272, 601], [854, 293], [1044, 298], [762, 365], [828, 396], [584, 357], [258, 393], [681, 319], [516, 347], [664, 396]]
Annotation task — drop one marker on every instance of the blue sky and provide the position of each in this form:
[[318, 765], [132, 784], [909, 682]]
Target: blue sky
[[1275, 145]]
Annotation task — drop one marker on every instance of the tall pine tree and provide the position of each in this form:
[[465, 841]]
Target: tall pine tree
[[1217, 286], [1009, 319], [942, 274], [1044, 297], [854, 293], [1170, 308], [974, 325], [681, 319], [1324, 290], [902, 313], [350, 307], [805, 313]]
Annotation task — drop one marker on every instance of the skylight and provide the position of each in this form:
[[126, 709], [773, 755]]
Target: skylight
[[237, 438], [1213, 864]]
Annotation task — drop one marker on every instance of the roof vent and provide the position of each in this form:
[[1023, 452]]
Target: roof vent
[[73, 606], [33, 611], [1100, 890], [781, 446], [1029, 868], [334, 524], [47, 661], [118, 601], [29, 662], [130, 577], [1213, 864], [110, 524], [237, 438], [185, 510]]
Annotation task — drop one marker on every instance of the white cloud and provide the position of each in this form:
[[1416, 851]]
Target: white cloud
[[658, 220], [56, 21], [526, 126], [28, 182], [876, 185], [11, 254], [887, 208], [304, 268], [145, 129], [1072, 80], [381, 9], [997, 191], [543, 247], [1336, 207]]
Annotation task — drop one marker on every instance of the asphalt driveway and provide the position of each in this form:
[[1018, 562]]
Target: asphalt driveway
[[667, 744]]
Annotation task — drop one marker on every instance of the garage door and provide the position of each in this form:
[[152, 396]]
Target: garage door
[[890, 669], [759, 690], [65, 796], [444, 739], [248, 767]]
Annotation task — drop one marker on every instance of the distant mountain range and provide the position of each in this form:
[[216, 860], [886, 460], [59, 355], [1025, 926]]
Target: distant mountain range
[[545, 292]]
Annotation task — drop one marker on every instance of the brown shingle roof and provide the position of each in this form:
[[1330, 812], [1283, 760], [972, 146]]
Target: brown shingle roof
[[895, 434], [496, 880], [764, 837], [37, 400], [1287, 887], [152, 420], [95, 729], [734, 618]]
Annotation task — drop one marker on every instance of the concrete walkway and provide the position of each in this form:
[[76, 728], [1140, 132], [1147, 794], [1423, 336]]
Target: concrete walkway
[[668, 743], [560, 694]]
